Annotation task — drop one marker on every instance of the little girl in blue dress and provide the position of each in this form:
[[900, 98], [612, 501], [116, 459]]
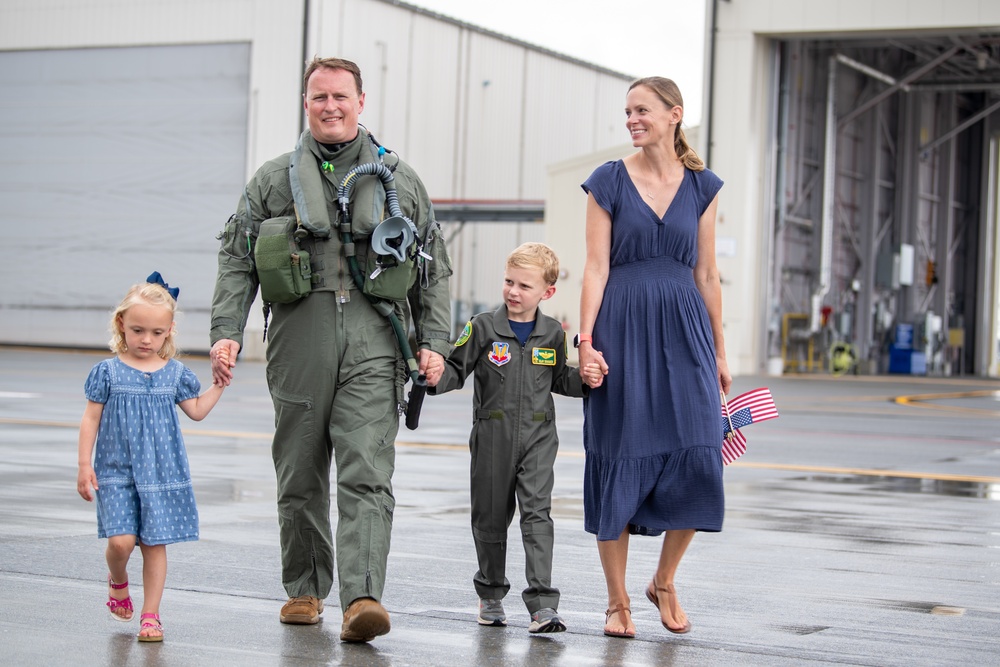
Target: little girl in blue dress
[[140, 474]]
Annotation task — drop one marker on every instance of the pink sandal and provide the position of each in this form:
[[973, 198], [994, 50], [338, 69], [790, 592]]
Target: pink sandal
[[115, 604], [148, 625]]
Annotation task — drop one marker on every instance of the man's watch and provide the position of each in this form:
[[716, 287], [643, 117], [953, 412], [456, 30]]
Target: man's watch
[[582, 338]]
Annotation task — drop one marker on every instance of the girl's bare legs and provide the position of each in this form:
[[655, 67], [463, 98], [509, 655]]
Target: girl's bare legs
[[675, 543], [154, 577], [117, 553], [614, 558]]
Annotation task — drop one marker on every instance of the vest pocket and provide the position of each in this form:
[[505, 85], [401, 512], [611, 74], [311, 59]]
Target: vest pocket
[[282, 267], [385, 278]]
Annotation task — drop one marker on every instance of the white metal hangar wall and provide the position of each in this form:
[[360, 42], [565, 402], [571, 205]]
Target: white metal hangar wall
[[129, 127], [868, 204]]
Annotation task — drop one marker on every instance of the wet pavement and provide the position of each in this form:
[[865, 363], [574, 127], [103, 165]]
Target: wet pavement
[[862, 528]]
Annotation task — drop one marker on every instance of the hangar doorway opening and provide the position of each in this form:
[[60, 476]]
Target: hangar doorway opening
[[883, 228]]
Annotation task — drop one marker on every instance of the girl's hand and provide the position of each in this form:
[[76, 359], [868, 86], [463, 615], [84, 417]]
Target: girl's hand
[[223, 356], [85, 481]]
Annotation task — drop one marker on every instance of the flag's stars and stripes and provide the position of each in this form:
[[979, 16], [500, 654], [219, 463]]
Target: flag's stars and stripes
[[754, 406]]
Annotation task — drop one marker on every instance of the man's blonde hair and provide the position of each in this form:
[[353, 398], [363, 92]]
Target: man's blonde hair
[[536, 256]]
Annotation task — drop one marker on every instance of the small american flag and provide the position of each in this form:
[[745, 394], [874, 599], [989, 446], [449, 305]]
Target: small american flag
[[754, 406]]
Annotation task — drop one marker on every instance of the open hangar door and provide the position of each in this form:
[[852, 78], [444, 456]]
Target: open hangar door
[[115, 162], [884, 229]]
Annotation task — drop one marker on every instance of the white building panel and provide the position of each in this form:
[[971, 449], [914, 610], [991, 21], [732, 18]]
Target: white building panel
[[555, 130], [493, 145], [429, 136]]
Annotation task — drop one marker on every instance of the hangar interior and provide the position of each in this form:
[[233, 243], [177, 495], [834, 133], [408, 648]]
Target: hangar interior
[[884, 228]]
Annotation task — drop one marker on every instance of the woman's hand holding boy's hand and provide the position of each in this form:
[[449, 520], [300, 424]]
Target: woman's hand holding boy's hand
[[593, 373]]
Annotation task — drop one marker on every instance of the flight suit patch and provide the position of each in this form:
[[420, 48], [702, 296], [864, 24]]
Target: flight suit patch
[[466, 334], [543, 356], [499, 353]]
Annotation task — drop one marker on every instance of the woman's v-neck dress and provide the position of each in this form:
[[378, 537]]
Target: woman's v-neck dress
[[652, 432]]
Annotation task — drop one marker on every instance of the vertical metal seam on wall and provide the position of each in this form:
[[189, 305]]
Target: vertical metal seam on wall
[[829, 196]]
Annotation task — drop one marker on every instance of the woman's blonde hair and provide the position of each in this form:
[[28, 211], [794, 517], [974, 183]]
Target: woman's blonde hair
[[670, 95], [150, 294]]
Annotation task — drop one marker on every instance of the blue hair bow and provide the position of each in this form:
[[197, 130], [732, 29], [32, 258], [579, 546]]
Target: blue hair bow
[[157, 279]]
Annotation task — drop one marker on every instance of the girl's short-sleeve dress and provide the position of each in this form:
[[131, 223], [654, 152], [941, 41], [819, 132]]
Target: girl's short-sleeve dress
[[143, 477], [652, 432]]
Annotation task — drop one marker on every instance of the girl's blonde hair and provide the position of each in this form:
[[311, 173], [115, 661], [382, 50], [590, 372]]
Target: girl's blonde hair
[[150, 294], [670, 94]]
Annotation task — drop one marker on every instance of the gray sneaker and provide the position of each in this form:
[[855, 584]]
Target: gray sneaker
[[546, 620], [491, 613]]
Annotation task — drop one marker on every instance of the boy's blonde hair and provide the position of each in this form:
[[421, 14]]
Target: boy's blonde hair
[[536, 256], [150, 294]]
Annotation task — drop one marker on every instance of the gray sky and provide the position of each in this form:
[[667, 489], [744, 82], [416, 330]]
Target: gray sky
[[661, 37]]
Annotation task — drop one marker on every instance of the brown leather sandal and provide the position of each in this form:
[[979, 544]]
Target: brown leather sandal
[[618, 609], [653, 593]]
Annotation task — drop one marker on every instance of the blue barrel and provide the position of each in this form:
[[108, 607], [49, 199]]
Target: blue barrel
[[904, 336]]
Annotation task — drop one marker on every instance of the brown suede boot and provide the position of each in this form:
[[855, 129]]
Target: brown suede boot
[[303, 610], [364, 620]]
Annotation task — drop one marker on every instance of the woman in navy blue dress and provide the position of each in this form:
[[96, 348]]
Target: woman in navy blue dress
[[651, 310]]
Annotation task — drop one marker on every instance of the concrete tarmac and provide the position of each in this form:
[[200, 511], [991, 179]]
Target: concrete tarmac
[[862, 528]]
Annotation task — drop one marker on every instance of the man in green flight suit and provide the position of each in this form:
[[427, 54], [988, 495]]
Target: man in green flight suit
[[334, 369]]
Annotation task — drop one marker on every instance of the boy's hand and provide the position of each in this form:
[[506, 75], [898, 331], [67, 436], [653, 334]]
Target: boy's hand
[[593, 375], [85, 481]]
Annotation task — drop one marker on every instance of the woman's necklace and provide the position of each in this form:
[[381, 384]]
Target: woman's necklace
[[649, 181]]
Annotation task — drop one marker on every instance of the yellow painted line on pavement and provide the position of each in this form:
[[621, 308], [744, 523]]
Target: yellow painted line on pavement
[[829, 470], [921, 401], [187, 431], [434, 445], [870, 472], [38, 422]]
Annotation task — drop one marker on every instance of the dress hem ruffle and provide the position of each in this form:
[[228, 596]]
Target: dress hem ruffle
[[687, 483]]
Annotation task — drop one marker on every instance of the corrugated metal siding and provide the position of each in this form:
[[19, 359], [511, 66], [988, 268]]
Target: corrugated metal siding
[[492, 147], [479, 115], [429, 133], [426, 98], [560, 119]]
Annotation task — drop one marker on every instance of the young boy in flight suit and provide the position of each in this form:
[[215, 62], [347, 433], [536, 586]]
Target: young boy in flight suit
[[519, 358]]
